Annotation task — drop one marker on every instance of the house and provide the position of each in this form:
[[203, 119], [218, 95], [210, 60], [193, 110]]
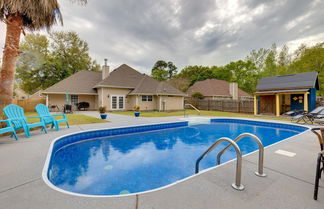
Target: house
[[37, 95], [121, 89], [279, 94], [218, 89], [20, 94]]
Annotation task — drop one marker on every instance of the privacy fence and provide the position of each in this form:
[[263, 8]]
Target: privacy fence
[[29, 104], [239, 106]]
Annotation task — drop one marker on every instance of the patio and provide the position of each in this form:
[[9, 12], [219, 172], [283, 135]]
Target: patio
[[289, 184]]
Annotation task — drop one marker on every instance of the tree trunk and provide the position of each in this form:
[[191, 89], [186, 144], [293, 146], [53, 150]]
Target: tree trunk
[[9, 59]]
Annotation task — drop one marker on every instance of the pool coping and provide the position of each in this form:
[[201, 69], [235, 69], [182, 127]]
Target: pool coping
[[49, 154]]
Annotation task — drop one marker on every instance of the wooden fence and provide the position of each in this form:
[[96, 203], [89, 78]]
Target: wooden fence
[[239, 106], [29, 104]]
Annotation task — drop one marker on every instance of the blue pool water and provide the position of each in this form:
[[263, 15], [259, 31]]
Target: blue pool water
[[146, 160]]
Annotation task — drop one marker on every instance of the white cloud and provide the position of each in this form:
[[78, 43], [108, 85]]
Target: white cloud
[[189, 32]]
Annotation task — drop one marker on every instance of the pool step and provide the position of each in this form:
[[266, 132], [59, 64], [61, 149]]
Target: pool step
[[197, 120]]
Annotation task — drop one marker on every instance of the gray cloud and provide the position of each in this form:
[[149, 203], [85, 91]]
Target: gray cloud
[[188, 32]]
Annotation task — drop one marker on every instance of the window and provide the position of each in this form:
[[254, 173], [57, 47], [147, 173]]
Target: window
[[147, 98], [74, 99], [114, 102], [121, 103]]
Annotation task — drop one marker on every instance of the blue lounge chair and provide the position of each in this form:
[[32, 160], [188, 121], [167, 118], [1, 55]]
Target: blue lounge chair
[[16, 115], [44, 113], [7, 129]]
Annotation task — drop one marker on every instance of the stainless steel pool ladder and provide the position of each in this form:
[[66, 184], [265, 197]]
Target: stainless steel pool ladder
[[237, 185], [261, 152]]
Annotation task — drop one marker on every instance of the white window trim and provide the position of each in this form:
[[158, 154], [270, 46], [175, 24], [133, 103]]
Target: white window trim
[[147, 98], [111, 96]]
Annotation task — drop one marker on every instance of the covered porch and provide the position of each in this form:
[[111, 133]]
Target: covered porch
[[281, 101]]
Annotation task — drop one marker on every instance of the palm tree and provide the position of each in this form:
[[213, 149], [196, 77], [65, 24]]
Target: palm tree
[[19, 15]]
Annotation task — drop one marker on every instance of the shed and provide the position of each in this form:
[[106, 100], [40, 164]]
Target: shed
[[279, 94]]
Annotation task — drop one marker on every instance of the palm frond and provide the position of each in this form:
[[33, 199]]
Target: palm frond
[[36, 14]]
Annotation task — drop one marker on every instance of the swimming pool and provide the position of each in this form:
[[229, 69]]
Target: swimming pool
[[141, 158]]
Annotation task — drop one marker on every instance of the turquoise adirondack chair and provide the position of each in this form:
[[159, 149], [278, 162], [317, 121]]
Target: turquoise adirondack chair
[[48, 118], [9, 128], [16, 115]]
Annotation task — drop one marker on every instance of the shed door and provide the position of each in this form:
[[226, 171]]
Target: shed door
[[268, 104], [297, 101]]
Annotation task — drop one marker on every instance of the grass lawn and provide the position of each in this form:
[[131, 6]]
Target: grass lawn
[[203, 113], [74, 119]]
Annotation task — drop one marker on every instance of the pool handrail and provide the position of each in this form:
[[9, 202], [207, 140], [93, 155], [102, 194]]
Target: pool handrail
[[237, 185], [193, 107], [261, 152]]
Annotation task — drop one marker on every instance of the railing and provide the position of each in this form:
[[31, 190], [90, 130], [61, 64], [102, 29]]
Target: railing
[[193, 107], [261, 152], [237, 185]]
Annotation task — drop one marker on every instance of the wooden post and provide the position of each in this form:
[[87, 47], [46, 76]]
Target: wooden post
[[277, 105], [306, 101], [255, 105]]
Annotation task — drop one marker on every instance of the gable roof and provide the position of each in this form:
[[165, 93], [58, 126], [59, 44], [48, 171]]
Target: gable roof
[[86, 82], [214, 87], [123, 77], [150, 86], [81, 82], [292, 81]]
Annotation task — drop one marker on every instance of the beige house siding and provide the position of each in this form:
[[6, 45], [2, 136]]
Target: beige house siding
[[56, 99], [148, 105], [104, 100], [90, 99], [59, 100], [130, 102], [171, 103]]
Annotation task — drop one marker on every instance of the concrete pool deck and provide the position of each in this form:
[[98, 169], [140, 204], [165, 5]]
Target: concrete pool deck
[[289, 182]]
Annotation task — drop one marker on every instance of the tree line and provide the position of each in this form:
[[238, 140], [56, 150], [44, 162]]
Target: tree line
[[247, 72], [46, 60]]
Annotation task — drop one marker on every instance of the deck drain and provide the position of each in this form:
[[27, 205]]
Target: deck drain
[[108, 167], [285, 153]]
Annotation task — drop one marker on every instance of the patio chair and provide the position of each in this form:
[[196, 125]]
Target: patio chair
[[310, 117], [16, 115], [319, 170], [48, 118], [67, 108], [293, 112], [319, 132], [9, 128]]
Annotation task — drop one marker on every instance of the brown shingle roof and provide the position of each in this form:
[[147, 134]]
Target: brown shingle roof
[[123, 76], [85, 82], [81, 82], [214, 87], [150, 86], [164, 89]]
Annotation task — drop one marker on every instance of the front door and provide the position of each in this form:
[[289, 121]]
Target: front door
[[117, 102]]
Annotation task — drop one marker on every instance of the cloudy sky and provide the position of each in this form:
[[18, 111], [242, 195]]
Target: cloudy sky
[[189, 32]]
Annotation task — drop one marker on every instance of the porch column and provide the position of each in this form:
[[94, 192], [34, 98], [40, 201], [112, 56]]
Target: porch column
[[277, 105], [47, 100], [136, 100], [255, 105], [306, 101]]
